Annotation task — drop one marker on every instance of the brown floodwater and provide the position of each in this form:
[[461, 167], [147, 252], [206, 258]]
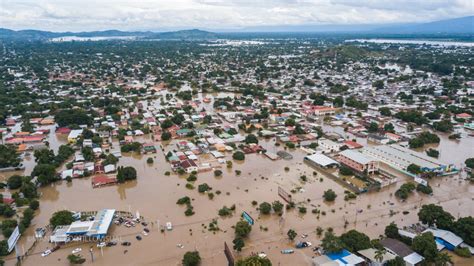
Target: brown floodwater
[[154, 195]]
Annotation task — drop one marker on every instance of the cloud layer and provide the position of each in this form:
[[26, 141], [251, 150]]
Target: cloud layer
[[86, 15]]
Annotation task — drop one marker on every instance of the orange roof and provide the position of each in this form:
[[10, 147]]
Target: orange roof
[[21, 148]]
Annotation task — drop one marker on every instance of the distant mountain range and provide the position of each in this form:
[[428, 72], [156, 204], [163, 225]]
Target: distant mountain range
[[464, 25]]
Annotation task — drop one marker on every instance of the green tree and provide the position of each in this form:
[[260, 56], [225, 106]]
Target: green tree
[[329, 195], [126, 173], [75, 259], [469, 162], [354, 240], [71, 117], [391, 231], [331, 243], [242, 229], [389, 128], [265, 208], [46, 173], [3, 247], [239, 243], [44, 156], [8, 156], [291, 234], [277, 206], [385, 111], [464, 228], [414, 169], [165, 136], [238, 155], [373, 127], [443, 259], [191, 258], [344, 170], [61, 218], [432, 214], [397, 261], [14, 181], [251, 138], [425, 245], [379, 253], [254, 261]]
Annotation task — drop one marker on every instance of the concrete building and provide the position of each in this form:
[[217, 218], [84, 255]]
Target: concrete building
[[328, 146], [400, 158], [96, 229], [358, 161]]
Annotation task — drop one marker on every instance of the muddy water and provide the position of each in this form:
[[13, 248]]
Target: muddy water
[[154, 195]]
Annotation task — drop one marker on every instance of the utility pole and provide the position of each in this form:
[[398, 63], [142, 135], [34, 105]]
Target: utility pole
[[92, 254]]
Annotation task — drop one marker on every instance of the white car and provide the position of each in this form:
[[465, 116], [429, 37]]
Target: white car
[[76, 250], [46, 253], [169, 226], [101, 245]]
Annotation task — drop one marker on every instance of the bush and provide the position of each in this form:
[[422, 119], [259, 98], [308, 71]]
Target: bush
[[404, 191], [344, 170], [184, 200], [277, 206], [149, 160], [189, 211], [34, 204], [424, 189], [126, 173], [165, 136], [432, 153], [242, 229], [191, 178], [329, 195], [265, 208], [238, 155], [14, 181], [217, 173], [191, 258], [291, 234], [61, 218], [75, 259], [203, 188], [462, 252], [225, 211]]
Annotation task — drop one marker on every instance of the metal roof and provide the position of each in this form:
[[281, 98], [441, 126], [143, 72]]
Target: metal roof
[[321, 159], [356, 156], [447, 236]]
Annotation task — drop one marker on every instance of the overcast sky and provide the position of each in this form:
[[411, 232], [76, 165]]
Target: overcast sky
[[156, 15]]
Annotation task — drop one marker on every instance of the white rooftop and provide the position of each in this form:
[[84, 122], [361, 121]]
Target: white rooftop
[[356, 156], [321, 159], [447, 236], [414, 258]]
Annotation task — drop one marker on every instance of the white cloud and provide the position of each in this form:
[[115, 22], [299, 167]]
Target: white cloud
[[63, 15]]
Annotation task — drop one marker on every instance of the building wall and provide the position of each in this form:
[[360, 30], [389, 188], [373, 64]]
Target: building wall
[[370, 167], [352, 164]]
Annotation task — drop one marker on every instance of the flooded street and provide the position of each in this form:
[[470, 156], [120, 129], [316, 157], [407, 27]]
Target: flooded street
[[154, 195]]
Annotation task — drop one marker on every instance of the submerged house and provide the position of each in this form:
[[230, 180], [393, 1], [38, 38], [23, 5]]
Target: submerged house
[[402, 250]]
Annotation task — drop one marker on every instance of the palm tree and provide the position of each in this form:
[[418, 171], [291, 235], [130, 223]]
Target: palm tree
[[379, 253]]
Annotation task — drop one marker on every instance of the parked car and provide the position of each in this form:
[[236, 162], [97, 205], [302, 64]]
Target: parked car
[[303, 244], [138, 237], [169, 226], [287, 251], [46, 253], [126, 243]]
